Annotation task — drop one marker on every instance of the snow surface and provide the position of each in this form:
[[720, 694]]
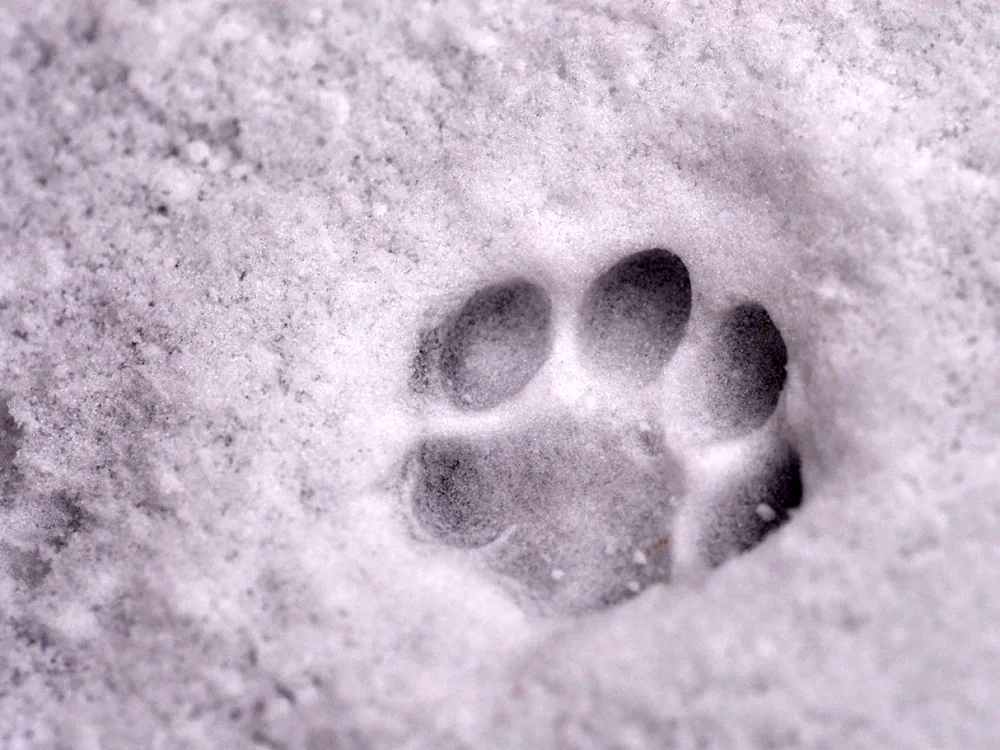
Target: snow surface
[[223, 226]]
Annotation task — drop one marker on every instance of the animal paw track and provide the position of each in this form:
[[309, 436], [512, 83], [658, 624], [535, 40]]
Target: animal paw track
[[555, 454]]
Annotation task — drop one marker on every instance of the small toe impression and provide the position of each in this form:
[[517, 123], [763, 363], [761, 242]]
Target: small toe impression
[[748, 367], [495, 344], [457, 497], [754, 511], [633, 315]]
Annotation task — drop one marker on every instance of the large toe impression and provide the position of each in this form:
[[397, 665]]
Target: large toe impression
[[633, 315]]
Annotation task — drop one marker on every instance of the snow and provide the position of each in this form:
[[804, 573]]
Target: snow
[[223, 228]]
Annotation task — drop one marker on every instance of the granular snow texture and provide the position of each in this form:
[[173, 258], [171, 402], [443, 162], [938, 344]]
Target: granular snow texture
[[224, 227]]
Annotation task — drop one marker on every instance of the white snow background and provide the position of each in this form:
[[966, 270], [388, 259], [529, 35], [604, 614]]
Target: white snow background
[[222, 227]]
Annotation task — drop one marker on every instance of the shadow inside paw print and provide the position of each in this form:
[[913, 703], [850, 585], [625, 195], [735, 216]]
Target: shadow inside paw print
[[575, 502]]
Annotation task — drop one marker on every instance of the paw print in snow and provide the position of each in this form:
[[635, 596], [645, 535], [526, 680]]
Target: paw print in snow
[[562, 454]]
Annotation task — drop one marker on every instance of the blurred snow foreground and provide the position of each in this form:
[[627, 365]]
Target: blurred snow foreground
[[224, 228]]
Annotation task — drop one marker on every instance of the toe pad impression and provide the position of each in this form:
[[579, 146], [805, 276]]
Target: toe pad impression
[[749, 368], [495, 344], [633, 315], [761, 505]]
